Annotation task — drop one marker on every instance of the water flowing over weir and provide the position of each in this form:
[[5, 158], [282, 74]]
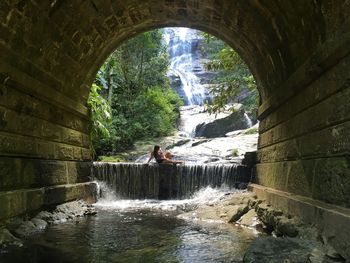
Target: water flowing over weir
[[140, 181]]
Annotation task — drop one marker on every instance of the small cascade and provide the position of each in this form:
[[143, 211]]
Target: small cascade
[[140, 181], [132, 181]]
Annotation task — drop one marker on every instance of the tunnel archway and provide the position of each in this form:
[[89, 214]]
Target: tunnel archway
[[51, 51]]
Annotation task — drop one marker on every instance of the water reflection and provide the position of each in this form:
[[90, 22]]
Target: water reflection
[[142, 231]]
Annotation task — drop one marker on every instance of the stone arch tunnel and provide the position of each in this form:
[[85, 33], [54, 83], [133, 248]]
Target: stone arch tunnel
[[50, 51]]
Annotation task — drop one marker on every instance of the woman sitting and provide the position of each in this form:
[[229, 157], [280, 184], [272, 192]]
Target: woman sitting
[[160, 157]]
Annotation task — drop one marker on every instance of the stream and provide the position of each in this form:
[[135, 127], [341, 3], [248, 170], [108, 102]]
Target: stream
[[138, 231]]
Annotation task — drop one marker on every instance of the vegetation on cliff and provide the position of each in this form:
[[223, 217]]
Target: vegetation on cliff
[[234, 82], [131, 97]]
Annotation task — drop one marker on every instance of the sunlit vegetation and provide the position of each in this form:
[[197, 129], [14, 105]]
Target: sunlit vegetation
[[131, 98], [133, 82], [234, 82]]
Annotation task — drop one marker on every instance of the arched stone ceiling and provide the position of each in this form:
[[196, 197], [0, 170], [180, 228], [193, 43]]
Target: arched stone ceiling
[[65, 42]]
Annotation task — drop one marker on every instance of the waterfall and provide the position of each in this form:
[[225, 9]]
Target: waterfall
[[248, 120], [140, 181], [184, 62]]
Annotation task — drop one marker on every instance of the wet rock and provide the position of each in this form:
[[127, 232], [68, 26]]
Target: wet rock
[[286, 226], [58, 217], [90, 210], [236, 212], [240, 199], [7, 239], [234, 133], [14, 224], [268, 215], [241, 186], [219, 127], [178, 143], [332, 254], [183, 134], [249, 219], [72, 210], [26, 229], [275, 221], [44, 215], [277, 250], [212, 160], [199, 142], [39, 223]]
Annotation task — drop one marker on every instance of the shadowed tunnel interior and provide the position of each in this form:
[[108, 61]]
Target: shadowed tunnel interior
[[50, 51]]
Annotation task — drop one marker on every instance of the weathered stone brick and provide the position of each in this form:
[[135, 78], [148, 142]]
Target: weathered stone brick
[[19, 202], [51, 51], [79, 172], [52, 173], [332, 180], [64, 152]]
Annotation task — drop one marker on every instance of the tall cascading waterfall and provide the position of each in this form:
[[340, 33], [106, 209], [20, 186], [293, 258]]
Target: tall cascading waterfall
[[187, 75], [140, 181], [184, 62]]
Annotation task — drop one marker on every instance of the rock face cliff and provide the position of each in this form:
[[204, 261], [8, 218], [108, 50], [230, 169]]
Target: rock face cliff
[[191, 80], [219, 127], [187, 74]]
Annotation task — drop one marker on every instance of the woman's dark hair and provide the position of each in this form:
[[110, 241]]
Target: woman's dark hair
[[155, 149]]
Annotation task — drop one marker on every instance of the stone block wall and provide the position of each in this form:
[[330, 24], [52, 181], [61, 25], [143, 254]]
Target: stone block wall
[[44, 143], [50, 52], [305, 139]]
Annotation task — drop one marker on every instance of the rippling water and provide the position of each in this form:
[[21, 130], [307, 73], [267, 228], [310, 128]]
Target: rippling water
[[138, 231]]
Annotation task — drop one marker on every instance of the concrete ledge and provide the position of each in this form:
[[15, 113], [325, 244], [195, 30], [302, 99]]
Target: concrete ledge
[[19, 202], [333, 221]]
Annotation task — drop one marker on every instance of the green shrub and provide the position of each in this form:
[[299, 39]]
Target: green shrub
[[235, 152], [251, 131]]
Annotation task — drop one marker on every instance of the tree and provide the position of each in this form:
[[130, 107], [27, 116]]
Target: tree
[[134, 82], [234, 83], [100, 112]]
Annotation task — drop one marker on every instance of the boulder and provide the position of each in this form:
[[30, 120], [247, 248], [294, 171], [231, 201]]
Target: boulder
[[249, 219], [212, 160], [234, 133], [39, 223], [199, 142], [241, 199], [268, 215], [44, 215], [286, 226], [178, 143], [26, 229], [236, 212], [219, 127], [182, 134], [59, 217], [269, 249], [7, 239]]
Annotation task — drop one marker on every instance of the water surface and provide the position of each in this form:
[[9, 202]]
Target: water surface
[[137, 231]]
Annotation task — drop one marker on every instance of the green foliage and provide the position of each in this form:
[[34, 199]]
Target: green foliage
[[100, 115], [252, 131], [233, 80], [235, 152], [134, 82], [114, 158]]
